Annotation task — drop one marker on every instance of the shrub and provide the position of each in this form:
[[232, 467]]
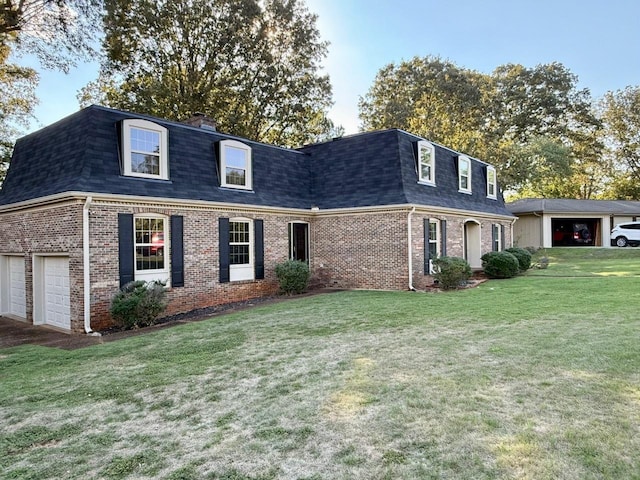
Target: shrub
[[523, 256], [138, 304], [451, 272], [500, 265], [293, 276]]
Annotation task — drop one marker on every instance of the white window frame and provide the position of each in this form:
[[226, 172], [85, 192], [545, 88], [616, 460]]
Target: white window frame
[[157, 274], [127, 127], [435, 241], [244, 271], [224, 144], [497, 231], [427, 146], [492, 184], [462, 159]]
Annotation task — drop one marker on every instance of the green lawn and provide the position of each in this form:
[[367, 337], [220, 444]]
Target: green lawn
[[536, 377]]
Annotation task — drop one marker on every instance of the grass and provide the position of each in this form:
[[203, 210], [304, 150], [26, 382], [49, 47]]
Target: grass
[[535, 377]]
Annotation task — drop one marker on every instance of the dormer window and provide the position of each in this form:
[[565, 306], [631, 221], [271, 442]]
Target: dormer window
[[426, 163], [491, 183], [144, 148], [235, 165], [464, 174]]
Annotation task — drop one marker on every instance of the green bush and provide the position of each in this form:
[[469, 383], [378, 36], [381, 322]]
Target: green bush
[[293, 276], [500, 265], [523, 256], [451, 272], [138, 304]]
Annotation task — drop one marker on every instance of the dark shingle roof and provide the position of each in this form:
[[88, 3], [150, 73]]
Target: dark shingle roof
[[81, 154], [567, 205]]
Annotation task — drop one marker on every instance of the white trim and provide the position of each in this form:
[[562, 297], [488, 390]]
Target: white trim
[[431, 180], [493, 196], [467, 160], [86, 266], [163, 161], [159, 274], [246, 149], [245, 271]]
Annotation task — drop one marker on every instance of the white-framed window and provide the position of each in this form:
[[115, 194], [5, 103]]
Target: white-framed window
[[235, 165], [497, 237], [151, 237], [464, 174], [144, 149], [241, 249], [434, 242], [426, 163], [492, 190]]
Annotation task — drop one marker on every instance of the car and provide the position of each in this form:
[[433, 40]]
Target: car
[[581, 234], [625, 234]]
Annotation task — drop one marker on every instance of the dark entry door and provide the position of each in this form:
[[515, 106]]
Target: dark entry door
[[299, 241]]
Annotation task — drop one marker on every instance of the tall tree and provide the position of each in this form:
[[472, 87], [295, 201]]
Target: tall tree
[[620, 112], [58, 32], [252, 65]]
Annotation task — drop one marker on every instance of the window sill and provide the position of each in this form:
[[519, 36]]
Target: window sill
[[466, 192], [236, 189], [492, 198], [425, 182], [147, 179]]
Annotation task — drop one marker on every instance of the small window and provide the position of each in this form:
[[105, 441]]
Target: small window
[[491, 182], [144, 149], [434, 239], [150, 252], [426, 163], [240, 250], [497, 237], [235, 165], [464, 174]]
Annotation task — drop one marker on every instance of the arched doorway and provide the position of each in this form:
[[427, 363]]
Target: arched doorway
[[472, 243]]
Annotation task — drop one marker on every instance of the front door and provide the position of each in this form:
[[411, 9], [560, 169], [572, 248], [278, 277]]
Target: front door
[[299, 241], [472, 244]]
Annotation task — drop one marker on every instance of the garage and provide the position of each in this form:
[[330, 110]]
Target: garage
[[16, 288], [575, 232], [56, 292]]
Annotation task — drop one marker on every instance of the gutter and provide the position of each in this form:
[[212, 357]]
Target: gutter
[[86, 268], [410, 249]]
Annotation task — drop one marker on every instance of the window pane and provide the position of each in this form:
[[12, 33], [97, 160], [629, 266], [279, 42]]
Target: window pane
[[149, 164], [425, 171], [145, 141], [239, 254], [236, 157], [464, 183], [236, 176], [149, 237]]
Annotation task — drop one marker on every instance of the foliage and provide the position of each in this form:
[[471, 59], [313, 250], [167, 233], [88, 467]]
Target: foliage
[[138, 304], [451, 272], [17, 102], [58, 32], [533, 124], [620, 113], [253, 66], [293, 276], [522, 255], [500, 264]]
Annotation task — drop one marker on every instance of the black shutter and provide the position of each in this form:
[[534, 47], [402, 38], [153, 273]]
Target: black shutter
[[224, 251], [502, 245], [443, 238], [258, 229], [426, 246], [125, 248], [177, 252]]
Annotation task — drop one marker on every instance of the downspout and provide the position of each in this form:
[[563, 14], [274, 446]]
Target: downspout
[[410, 249], [86, 267]]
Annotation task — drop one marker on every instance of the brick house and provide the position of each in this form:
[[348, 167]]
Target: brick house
[[103, 197]]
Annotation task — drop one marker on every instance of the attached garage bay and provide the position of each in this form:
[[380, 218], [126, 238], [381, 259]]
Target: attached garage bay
[[13, 288], [576, 232], [51, 304]]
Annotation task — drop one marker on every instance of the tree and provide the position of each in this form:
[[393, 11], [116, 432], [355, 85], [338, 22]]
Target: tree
[[430, 97], [252, 65], [620, 113], [17, 102], [58, 32], [498, 117]]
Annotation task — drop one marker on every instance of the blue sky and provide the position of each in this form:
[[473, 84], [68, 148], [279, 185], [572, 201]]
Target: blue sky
[[598, 40]]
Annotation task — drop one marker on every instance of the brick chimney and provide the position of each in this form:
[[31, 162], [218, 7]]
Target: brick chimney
[[200, 120]]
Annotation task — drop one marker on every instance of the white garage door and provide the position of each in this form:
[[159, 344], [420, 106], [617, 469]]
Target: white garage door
[[56, 292], [17, 303]]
